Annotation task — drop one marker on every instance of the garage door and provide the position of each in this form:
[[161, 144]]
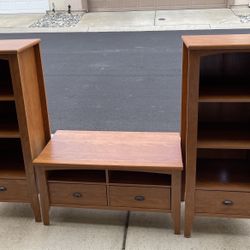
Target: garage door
[[118, 5], [23, 6]]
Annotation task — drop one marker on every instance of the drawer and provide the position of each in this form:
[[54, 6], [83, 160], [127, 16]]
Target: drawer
[[77, 194], [140, 197], [220, 202], [14, 190]]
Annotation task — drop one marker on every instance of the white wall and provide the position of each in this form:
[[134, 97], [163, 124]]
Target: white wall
[[241, 2], [63, 4], [23, 6]]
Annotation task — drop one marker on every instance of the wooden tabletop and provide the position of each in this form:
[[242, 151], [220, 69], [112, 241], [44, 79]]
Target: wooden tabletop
[[112, 150], [16, 45], [211, 42]]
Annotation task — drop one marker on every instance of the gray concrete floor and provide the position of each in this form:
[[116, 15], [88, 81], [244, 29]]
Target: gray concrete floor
[[198, 19], [84, 229]]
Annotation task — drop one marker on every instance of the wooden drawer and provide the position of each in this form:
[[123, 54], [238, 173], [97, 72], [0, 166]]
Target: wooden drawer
[[219, 202], [77, 194], [14, 190], [140, 197]]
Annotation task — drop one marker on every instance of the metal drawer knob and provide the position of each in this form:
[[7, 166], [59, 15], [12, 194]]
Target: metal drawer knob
[[228, 202], [3, 189], [139, 198], [77, 195]]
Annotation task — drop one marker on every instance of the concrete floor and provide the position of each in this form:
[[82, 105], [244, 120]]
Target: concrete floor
[[136, 21], [81, 229]]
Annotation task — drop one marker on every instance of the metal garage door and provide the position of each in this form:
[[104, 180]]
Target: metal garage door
[[118, 5], [23, 6]]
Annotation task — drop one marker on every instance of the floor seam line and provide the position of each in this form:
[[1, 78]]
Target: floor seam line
[[125, 231]]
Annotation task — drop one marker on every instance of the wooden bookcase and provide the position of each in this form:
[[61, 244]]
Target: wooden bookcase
[[215, 128], [24, 126]]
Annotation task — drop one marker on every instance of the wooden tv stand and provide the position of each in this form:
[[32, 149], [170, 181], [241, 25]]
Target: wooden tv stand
[[111, 170]]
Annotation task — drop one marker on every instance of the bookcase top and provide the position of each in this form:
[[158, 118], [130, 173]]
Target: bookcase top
[[14, 46], [214, 42], [126, 150]]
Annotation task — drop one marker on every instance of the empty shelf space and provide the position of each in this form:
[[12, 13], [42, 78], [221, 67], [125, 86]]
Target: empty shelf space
[[8, 120], [224, 135], [138, 178], [224, 93], [84, 176], [12, 164], [223, 174]]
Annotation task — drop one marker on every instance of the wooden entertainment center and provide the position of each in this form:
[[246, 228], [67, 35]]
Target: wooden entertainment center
[[111, 170]]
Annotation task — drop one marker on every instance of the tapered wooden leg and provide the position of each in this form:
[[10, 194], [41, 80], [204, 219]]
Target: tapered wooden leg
[[176, 201], [188, 223], [44, 196], [189, 214], [36, 208]]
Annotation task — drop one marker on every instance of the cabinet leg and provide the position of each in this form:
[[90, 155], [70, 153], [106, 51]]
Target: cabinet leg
[[188, 227], [189, 216], [44, 196], [176, 201], [36, 208]]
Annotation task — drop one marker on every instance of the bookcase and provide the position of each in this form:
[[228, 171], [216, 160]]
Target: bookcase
[[24, 126], [215, 126]]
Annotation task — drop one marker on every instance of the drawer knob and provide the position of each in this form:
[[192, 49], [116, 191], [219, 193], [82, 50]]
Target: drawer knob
[[3, 189], [139, 198], [77, 195], [228, 202]]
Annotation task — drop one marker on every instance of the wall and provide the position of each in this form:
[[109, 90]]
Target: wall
[[80, 4], [63, 4]]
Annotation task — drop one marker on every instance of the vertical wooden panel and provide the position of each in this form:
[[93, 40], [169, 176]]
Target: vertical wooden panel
[[191, 143]]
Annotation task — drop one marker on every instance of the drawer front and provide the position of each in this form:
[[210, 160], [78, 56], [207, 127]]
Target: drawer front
[[140, 197], [77, 194], [219, 202], [14, 190]]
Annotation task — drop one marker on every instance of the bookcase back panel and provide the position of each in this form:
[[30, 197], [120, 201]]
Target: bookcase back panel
[[234, 154], [224, 112], [8, 114], [5, 77], [225, 66]]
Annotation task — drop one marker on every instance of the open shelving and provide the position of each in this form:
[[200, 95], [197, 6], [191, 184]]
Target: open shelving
[[120, 178], [24, 128], [216, 126]]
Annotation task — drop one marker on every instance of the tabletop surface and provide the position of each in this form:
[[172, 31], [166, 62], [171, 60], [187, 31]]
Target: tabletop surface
[[16, 45], [236, 41], [160, 151]]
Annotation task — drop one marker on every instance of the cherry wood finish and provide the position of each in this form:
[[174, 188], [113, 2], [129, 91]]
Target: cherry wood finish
[[77, 193], [141, 197], [111, 170], [215, 126], [24, 127]]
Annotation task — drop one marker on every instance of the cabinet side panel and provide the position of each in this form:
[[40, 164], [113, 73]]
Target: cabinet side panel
[[32, 102]]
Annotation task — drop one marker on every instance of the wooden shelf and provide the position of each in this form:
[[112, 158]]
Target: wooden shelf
[[224, 136], [224, 93], [85, 176], [9, 130], [12, 170], [225, 175], [138, 178], [6, 93]]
